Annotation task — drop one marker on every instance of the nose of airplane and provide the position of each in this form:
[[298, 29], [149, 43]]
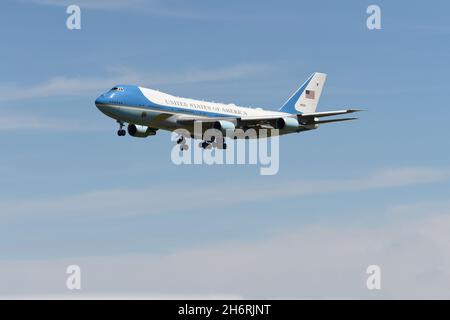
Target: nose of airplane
[[100, 100]]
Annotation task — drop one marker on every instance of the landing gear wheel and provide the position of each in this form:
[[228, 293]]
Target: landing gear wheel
[[181, 140], [121, 132], [204, 145]]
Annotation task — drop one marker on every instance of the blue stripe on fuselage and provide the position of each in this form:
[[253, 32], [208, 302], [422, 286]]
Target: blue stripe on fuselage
[[132, 96]]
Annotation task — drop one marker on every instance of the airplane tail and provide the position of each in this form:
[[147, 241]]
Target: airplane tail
[[305, 99]]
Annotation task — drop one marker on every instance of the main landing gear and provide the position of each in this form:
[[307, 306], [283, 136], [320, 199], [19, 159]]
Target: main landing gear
[[182, 142], [121, 132], [208, 144]]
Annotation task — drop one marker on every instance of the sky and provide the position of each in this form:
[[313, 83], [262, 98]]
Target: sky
[[375, 191]]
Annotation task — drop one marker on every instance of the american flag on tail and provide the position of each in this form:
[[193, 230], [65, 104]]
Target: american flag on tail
[[310, 94]]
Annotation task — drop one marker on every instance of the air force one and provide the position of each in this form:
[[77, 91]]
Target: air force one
[[146, 111]]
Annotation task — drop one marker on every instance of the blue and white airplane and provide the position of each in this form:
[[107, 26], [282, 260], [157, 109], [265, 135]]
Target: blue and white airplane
[[146, 111]]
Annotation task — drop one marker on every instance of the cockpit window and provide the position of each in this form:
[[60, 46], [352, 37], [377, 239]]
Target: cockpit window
[[117, 89]]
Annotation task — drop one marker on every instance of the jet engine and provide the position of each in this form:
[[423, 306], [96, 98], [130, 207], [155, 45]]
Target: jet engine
[[140, 131], [224, 126], [287, 123]]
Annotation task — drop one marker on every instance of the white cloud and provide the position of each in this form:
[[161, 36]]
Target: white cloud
[[74, 86], [95, 4], [311, 261], [153, 7], [159, 199], [307, 262], [27, 122]]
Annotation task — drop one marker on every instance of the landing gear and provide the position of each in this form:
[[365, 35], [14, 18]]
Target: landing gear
[[121, 132], [182, 142], [205, 144], [208, 144]]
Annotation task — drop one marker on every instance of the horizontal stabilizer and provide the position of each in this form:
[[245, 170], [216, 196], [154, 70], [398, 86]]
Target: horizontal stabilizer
[[334, 120], [328, 113]]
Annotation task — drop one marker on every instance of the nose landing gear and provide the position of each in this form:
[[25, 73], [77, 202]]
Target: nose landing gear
[[121, 132]]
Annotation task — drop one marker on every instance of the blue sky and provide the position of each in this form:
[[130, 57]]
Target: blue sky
[[71, 190]]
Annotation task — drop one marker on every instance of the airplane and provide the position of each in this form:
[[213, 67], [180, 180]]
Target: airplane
[[146, 111]]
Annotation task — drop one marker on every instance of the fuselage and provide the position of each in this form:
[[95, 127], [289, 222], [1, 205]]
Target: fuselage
[[158, 110]]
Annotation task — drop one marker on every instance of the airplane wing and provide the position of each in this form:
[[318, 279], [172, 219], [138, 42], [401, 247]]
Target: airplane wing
[[269, 121]]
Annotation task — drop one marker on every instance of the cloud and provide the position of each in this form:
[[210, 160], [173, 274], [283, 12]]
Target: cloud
[[11, 122], [304, 262], [417, 208], [308, 261], [153, 7], [136, 201], [95, 4], [75, 86]]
